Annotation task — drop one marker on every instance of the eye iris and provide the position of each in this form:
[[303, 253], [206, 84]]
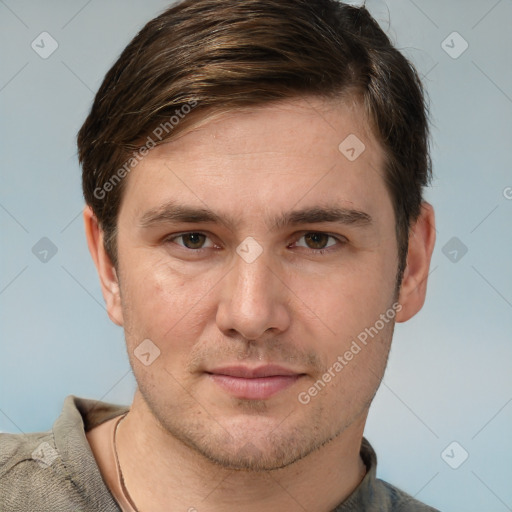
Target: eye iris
[[193, 240], [317, 239], [196, 240]]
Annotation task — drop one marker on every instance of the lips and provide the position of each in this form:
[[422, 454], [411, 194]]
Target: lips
[[253, 383]]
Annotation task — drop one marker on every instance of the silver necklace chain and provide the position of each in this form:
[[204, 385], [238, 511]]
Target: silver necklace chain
[[124, 490]]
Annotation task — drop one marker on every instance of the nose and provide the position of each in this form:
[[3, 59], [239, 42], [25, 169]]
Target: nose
[[254, 300]]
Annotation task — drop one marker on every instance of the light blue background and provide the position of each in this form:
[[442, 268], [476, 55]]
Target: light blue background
[[449, 376]]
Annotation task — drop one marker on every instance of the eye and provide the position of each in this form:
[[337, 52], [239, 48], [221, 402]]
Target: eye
[[192, 240], [315, 240], [319, 241]]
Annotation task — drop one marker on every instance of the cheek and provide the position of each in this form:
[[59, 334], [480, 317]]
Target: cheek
[[351, 377], [343, 302], [164, 305], [170, 312]]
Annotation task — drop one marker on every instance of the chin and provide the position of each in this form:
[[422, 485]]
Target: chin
[[256, 447], [250, 457]]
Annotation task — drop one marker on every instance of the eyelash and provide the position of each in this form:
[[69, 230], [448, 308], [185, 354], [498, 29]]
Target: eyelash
[[340, 239]]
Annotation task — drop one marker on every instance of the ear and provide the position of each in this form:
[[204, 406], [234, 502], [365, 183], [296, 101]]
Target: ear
[[106, 270], [422, 237]]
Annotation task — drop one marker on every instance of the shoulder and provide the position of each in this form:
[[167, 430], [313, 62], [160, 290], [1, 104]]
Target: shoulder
[[56, 470], [376, 495], [18, 449], [29, 468], [398, 500]]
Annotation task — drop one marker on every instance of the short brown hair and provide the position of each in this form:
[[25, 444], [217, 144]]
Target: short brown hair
[[220, 55]]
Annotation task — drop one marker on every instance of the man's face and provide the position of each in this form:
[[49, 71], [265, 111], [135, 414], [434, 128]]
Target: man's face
[[245, 334]]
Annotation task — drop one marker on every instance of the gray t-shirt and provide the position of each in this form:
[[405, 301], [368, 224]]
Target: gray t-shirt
[[56, 470]]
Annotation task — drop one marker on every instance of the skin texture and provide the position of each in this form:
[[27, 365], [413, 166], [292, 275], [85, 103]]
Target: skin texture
[[187, 442]]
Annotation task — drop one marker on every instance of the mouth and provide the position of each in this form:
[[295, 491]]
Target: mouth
[[254, 383]]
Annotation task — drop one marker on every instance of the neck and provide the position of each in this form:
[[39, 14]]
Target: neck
[[162, 473]]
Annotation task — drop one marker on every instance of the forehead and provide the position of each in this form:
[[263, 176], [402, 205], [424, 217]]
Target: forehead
[[320, 123], [282, 153]]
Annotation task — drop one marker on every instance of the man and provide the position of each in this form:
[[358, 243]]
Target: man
[[253, 174]]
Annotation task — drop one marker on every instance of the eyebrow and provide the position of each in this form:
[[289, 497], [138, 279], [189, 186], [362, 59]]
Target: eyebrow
[[171, 212]]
